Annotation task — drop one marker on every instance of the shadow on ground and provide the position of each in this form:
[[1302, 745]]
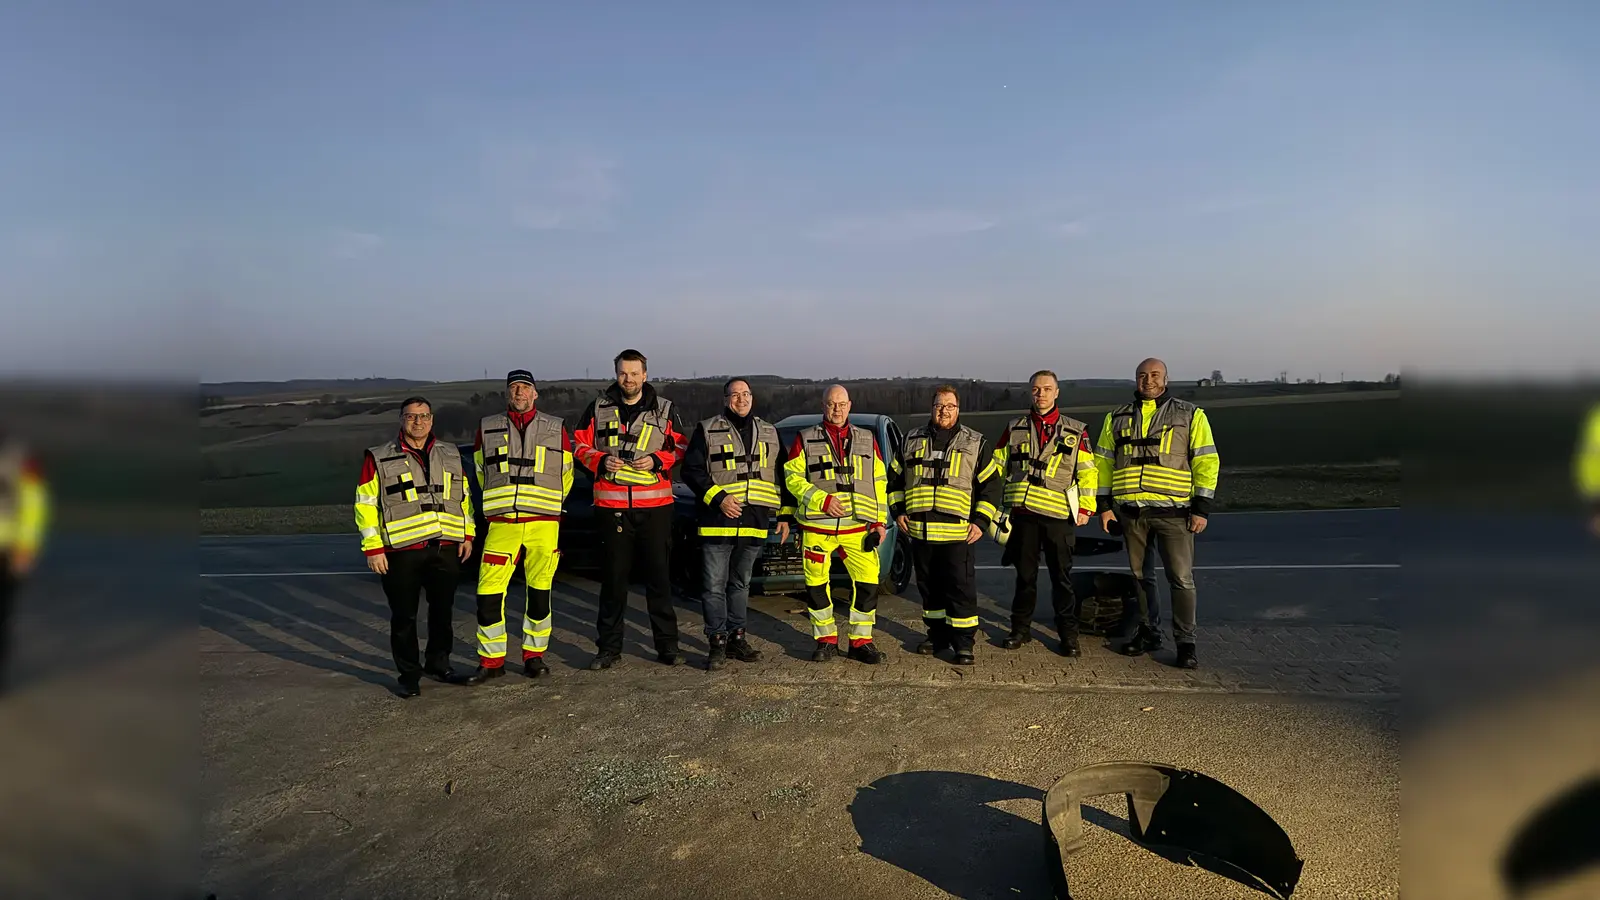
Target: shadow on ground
[[941, 826], [963, 834]]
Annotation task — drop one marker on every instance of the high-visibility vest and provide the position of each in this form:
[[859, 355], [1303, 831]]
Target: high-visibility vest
[[1587, 464], [941, 480], [645, 436], [1042, 476], [747, 473], [852, 480], [522, 469], [413, 508], [1158, 461]]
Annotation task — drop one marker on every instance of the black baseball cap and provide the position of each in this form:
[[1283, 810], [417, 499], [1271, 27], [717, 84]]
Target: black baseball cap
[[520, 375]]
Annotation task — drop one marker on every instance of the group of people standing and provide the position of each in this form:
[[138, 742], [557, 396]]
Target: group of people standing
[[1151, 475]]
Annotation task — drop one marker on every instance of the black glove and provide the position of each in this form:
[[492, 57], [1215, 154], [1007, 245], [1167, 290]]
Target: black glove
[[870, 542]]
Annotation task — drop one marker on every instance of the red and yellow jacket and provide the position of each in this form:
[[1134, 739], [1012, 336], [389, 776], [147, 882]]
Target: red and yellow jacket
[[631, 488]]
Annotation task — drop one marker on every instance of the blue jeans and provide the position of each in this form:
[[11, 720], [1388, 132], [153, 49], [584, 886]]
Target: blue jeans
[[725, 585]]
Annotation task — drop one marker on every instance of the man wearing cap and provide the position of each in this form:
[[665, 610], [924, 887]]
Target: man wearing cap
[[524, 462]]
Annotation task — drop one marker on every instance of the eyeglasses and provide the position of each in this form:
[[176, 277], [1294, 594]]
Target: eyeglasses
[[844, 405], [416, 417], [946, 407]]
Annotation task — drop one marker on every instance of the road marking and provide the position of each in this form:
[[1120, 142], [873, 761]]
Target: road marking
[[1094, 568], [1284, 512], [282, 574], [1081, 568]]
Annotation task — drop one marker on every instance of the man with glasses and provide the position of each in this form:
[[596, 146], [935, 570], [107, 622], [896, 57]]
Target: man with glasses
[[941, 503], [836, 475], [414, 512], [732, 467]]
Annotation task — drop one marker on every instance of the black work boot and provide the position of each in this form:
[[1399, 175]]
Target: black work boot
[[964, 657], [1186, 658], [718, 657], [535, 666], [408, 689], [1016, 639], [867, 653], [1069, 638], [740, 649], [938, 639], [826, 651], [484, 673], [668, 656], [604, 660], [1138, 644]]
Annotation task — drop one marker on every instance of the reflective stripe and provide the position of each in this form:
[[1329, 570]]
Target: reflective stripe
[[933, 614], [366, 499], [536, 635], [938, 532], [1204, 492], [369, 533], [988, 510], [968, 622], [711, 492], [861, 623], [1207, 450]]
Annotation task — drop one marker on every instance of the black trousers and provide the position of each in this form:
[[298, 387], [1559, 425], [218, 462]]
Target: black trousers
[[642, 538], [1056, 538], [947, 578], [433, 570]]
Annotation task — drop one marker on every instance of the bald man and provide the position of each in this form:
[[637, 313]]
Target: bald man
[[1158, 468], [835, 473]]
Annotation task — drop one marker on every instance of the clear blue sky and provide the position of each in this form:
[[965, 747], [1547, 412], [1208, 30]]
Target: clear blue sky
[[410, 189]]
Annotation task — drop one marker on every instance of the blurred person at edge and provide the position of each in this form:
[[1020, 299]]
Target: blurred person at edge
[[24, 506], [1587, 468]]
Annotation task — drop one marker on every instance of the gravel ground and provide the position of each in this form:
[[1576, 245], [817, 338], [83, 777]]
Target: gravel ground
[[617, 784]]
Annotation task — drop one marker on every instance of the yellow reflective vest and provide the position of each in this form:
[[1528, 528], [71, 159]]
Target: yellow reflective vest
[[400, 505], [813, 473], [1047, 477], [1158, 453], [523, 472], [1586, 467], [24, 502]]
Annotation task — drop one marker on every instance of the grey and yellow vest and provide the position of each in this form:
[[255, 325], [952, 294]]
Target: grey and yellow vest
[[522, 470], [1040, 475], [1158, 462], [941, 480], [748, 473], [414, 508], [852, 478]]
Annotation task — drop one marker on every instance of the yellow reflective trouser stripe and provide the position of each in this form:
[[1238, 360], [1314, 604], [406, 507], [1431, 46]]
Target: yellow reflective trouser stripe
[[861, 623], [968, 622], [536, 635], [933, 614], [822, 622], [492, 638]]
